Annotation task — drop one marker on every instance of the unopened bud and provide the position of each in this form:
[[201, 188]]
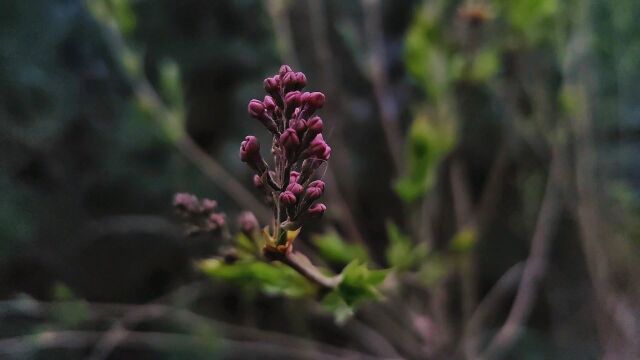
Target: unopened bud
[[316, 210], [318, 184], [289, 140], [186, 202], [315, 100], [288, 198], [293, 176], [299, 125], [295, 188], [315, 125], [313, 193], [248, 223], [257, 181], [284, 69], [269, 104], [292, 99], [256, 108]]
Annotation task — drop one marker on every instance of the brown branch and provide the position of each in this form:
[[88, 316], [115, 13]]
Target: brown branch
[[380, 81], [300, 263], [534, 267], [162, 341], [170, 122], [507, 282], [235, 334]]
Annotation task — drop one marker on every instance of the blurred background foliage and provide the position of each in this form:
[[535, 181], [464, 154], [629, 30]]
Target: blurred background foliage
[[90, 161]]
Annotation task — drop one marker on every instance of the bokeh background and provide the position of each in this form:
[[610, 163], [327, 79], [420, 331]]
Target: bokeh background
[[491, 131]]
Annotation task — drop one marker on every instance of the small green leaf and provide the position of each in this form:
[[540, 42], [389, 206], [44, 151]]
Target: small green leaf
[[359, 283], [402, 254], [334, 249], [428, 142], [464, 240], [272, 279]]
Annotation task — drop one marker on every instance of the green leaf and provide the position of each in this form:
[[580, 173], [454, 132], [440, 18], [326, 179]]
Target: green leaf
[[428, 143], [272, 279], [334, 249], [464, 240], [402, 254], [359, 283], [433, 270]]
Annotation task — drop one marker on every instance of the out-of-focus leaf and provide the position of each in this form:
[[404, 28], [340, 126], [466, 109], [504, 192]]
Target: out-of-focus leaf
[[171, 83], [428, 143], [401, 253], [484, 65], [334, 249], [464, 240], [424, 56], [532, 19], [359, 283], [67, 309], [336, 304], [272, 279], [434, 269], [124, 15]]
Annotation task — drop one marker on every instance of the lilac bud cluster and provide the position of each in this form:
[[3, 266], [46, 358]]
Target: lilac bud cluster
[[298, 148], [199, 214]]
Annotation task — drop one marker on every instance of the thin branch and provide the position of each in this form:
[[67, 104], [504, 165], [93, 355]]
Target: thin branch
[[534, 267], [166, 119], [169, 342], [139, 313], [377, 72], [507, 282]]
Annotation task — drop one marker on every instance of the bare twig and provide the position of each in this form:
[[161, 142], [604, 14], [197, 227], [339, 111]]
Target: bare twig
[[167, 119], [169, 342], [377, 72], [507, 282], [234, 334], [534, 267]]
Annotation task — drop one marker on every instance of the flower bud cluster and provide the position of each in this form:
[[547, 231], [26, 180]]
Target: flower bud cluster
[[199, 214], [298, 147]]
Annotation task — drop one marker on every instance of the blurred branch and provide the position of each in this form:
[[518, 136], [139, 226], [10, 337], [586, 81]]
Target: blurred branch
[[535, 264], [380, 81], [256, 340], [171, 122], [279, 13], [490, 302], [168, 342]]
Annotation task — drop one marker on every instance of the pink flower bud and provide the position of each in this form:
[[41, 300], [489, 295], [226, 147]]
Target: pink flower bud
[[316, 210], [313, 193], [318, 184], [293, 176], [250, 149], [272, 84], [292, 99], [288, 198], [304, 97], [208, 205], [300, 80], [316, 100], [248, 223], [315, 125], [295, 188], [289, 140], [284, 69], [186, 202], [299, 125], [216, 221], [256, 108], [269, 104], [257, 181], [318, 148]]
